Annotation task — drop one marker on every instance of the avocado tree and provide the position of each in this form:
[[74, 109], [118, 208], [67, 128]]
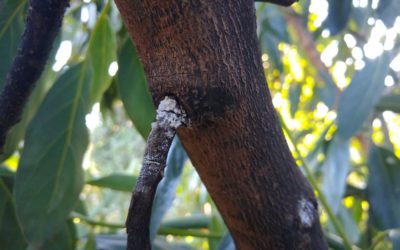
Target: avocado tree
[[208, 58]]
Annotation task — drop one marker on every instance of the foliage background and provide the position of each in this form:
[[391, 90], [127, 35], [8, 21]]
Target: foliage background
[[70, 164]]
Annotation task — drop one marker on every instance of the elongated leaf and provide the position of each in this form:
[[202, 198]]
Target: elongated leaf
[[119, 182], [338, 15], [63, 240], [389, 102], [189, 222], [275, 23], [383, 190], [55, 142], [361, 96], [335, 170], [388, 10], [101, 52], [166, 190], [11, 236], [227, 243], [11, 28], [133, 89]]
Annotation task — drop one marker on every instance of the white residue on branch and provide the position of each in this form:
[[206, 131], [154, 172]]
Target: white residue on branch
[[307, 213], [169, 114]]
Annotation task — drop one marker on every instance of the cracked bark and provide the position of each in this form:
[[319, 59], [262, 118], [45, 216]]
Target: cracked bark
[[205, 53]]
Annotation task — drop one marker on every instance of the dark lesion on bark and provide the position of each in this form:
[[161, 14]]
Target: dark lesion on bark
[[42, 26]]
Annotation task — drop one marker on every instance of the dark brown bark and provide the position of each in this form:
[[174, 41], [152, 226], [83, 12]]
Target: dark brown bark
[[42, 26], [205, 54]]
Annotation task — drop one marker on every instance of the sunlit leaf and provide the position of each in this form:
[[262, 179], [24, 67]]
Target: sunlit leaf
[[11, 236], [133, 89], [55, 142], [383, 190], [338, 15], [335, 170], [166, 190], [360, 97], [11, 28], [388, 10], [119, 182]]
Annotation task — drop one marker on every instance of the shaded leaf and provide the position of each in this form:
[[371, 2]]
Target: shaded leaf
[[188, 222], [338, 15], [335, 170], [166, 189], [119, 182], [389, 102], [383, 190], [275, 24], [133, 90], [361, 96], [11, 236], [227, 243], [294, 97], [11, 28], [55, 142], [101, 52], [63, 240]]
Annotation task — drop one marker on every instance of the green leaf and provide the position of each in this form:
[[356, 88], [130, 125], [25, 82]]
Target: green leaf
[[49, 176], [188, 222], [335, 170], [294, 97], [227, 243], [119, 182], [63, 240], [11, 236], [361, 96], [275, 23], [338, 15], [389, 102], [101, 52], [11, 28], [166, 189], [133, 90], [383, 190]]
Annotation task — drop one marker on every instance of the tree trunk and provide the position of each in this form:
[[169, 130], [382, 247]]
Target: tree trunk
[[205, 53]]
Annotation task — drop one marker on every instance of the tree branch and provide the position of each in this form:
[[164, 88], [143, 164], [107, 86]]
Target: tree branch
[[170, 116], [42, 26], [279, 2]]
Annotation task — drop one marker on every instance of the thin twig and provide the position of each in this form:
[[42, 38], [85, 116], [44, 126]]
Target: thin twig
[[42, 26], [170, 116]]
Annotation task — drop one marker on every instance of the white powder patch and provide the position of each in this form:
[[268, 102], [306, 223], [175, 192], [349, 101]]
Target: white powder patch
[[169, 114], [306, 212]]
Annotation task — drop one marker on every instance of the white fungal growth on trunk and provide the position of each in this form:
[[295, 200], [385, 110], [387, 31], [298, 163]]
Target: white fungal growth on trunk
[[169, 114], [307, 213]]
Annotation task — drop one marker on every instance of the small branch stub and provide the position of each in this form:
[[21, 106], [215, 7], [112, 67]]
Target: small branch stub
[[170, 116]]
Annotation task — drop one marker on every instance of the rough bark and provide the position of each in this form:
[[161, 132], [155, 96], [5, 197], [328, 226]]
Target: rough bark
[[205, 54], [169, 117], [42, 26]]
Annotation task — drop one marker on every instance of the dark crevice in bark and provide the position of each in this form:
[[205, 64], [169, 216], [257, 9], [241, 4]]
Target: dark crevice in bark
[[42, 26]]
